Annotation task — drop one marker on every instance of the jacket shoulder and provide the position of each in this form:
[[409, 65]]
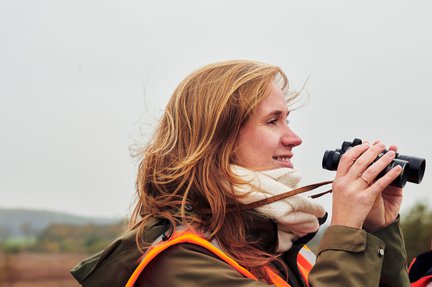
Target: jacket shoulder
[[120, 258]]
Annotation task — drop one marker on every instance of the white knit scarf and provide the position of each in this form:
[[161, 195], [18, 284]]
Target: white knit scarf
[[295, 216]]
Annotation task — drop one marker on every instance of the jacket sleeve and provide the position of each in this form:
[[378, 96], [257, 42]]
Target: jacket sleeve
[[394, 269], [352, 257], [192, 266]]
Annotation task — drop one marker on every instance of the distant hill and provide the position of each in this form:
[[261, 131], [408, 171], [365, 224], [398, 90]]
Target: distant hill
[[17, 222]]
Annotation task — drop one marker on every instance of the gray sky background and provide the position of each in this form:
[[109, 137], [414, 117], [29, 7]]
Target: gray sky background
[[83, 81]]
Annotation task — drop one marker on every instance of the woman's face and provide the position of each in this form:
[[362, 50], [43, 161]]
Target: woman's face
[[266, 141]]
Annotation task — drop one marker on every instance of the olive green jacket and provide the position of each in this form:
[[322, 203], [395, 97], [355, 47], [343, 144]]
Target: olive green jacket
[[346, 257]]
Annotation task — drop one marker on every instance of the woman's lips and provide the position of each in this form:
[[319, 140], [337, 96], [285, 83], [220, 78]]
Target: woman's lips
[[284, 160]]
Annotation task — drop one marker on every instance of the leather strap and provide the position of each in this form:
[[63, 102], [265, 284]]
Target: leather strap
[[255, 204]]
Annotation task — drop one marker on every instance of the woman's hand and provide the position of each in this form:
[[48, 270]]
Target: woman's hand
[[386, 207], [359, 200]]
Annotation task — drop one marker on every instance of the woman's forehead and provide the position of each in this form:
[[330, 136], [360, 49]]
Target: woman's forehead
[[273, 103]]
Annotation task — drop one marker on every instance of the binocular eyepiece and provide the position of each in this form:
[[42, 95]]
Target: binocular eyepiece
[[413, 168]]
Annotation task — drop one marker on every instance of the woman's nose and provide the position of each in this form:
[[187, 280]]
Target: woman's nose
[[290, 138]]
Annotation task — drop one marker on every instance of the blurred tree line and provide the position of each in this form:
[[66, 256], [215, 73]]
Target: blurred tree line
[[59, 237], [417, 230], [89, 238]]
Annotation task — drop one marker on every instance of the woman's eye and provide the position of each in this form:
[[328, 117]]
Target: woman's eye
[[272, 122]]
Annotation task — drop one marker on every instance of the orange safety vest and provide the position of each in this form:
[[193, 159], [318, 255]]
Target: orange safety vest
[[186, 236], [423, 281]]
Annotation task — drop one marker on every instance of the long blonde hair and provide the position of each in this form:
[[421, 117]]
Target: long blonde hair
[[187, 162]]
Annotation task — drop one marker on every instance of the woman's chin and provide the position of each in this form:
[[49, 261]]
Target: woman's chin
[[284, 164]]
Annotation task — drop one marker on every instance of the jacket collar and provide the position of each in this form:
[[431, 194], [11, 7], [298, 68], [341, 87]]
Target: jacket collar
[[264, 231]]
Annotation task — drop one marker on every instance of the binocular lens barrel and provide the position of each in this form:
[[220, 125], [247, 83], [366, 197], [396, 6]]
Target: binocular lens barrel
[[416, 167]]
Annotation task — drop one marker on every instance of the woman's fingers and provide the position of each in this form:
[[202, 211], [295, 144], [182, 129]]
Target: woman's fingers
[[385, 180], [358, 158], [366, 159], [377, 167], [361, 161], [349, 157], [393, 148]]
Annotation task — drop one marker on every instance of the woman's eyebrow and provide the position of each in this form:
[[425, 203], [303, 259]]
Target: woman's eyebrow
[[277, 113]]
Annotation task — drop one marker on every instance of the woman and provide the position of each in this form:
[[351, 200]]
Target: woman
[[224, 142]]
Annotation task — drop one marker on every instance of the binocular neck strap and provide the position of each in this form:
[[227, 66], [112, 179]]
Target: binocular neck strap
[[258, 203], [281, 196]]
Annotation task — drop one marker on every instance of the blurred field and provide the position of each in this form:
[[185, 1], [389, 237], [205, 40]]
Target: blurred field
[[27, 269]]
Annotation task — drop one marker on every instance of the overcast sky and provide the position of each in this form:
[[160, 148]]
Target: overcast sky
[[81, 82]]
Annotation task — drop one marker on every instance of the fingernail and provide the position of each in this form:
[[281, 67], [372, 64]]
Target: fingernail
[[380, 145], [397, 168], [390, 153]]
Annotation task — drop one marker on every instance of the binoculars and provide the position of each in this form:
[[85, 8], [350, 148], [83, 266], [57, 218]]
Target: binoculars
[[413, 168]]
